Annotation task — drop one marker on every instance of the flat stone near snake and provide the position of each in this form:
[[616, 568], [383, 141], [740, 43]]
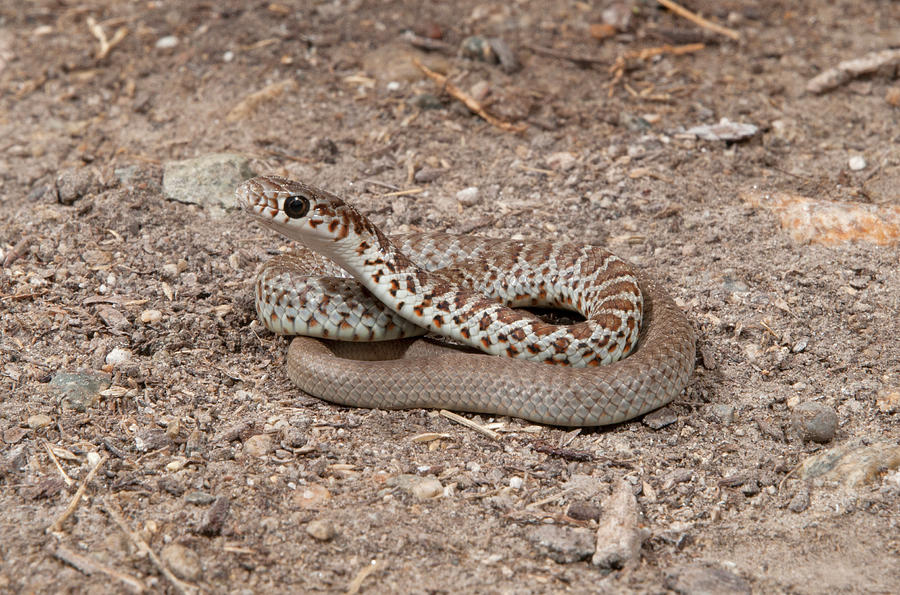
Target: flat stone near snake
[[633, 352]]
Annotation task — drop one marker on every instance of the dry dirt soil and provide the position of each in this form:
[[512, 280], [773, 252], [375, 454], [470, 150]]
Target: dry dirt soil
[[237, 482]]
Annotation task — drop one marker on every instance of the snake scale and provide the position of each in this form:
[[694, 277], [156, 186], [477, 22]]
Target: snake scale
[[633, 352]]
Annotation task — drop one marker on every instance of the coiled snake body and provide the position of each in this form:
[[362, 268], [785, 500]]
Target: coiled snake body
[[462, 288]]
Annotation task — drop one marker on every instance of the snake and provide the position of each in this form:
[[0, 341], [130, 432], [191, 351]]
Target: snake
[[440, 321]]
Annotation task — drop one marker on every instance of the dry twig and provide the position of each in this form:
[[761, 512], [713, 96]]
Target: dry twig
[[88, 565], [106, 45], [470, 424], [850, 69], [115, 512], [618, 67], [466, 99], [76, 500], [698, 20]]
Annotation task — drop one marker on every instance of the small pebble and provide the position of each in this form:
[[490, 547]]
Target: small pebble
[[427, 488], [321, 530], [799, 502], [311, 496], [814, 422], [564, 545], [516, 482], [259, 445], [150, 316], [169, 41], [562, 161], [39, 420], [118, 356], [467, 196], [857, 163], [183, 562]]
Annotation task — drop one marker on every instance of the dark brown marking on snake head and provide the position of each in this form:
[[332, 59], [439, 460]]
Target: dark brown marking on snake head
[[410, 285], [438, 321], [370, 262], [376, 276], [343, 231], [314, 223], [333, 225], [395, 287], [363, 246]]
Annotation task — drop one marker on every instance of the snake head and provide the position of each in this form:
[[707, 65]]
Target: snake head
[[314, 217]]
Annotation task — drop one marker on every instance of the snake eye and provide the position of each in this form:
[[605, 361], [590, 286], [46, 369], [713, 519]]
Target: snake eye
[[296, 206]]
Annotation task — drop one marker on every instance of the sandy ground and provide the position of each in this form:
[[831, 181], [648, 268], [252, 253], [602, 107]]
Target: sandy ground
[[129, 342]]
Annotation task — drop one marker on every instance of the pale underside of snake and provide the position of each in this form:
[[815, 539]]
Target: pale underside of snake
[[634, 351]]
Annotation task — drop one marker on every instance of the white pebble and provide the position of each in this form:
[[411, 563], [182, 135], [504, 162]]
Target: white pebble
[[151, 316], [169, 41], [516, 482], [857, 162], [468, 196], [228, 56], [118, 356]]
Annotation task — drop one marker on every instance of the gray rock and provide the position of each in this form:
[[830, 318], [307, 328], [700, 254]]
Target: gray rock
[[660, 418], [79, 391], [564, 545], [183, 562], [321, 530], [852, 465], [800, 501], [814, 422], [724, 413], [700, 579], [208, 181], [73, 184], [619, 537]]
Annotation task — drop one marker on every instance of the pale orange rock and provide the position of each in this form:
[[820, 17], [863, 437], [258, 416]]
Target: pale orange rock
[[829, 222]]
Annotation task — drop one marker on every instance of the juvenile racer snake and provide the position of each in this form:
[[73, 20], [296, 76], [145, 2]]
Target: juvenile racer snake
[[452, 286]]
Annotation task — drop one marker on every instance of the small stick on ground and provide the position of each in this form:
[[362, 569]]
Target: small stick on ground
[[56, 527], [88, 565], [69, 481], [467, 100], [579, 60], [470, 424], [106, 45], [851, 69], [357, 581], [115, 512], [700, 21], [556, 496], [618, 67]]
